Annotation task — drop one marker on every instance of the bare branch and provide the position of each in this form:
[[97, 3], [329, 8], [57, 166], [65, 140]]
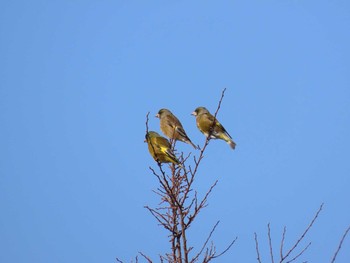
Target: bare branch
[[160, 218], [340, 245], [257, 247], [146, 257], [147, 122], [270, 242], [227, 249], [221, 98], [303, 235], [282, 241], [206, 242], [201, 204], [301, 252]]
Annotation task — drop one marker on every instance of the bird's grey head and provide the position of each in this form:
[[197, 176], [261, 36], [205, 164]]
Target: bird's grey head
[[199, 110], [162, 112]]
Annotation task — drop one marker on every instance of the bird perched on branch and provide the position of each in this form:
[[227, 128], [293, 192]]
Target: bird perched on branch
[[160, 148], [172, 127], [210, 126]]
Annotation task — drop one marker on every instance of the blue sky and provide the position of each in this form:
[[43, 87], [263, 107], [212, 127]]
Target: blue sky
[[77, 79]]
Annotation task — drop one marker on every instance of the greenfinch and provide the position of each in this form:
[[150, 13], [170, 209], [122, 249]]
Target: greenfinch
[[172, 127], [160, 148], [215, 130]]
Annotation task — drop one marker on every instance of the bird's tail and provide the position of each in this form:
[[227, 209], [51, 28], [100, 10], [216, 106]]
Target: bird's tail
[[229, 141], [232, 144]]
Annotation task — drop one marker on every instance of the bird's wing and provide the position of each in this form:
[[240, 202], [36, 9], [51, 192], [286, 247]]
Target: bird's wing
[[175, 125], [181, 131], [171, 154], [162, 143], [209, 117], [219, 125], [171, 123], [165, 147], [155, 145]]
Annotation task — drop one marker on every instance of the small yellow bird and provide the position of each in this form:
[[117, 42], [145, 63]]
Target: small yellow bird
[[172, 127], [160, 148], [215, 130]]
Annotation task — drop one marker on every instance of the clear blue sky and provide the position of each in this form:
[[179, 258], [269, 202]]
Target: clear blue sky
[[78, 77]]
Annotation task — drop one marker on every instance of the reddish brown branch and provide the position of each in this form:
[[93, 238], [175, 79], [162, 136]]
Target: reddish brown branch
[[202, 204]]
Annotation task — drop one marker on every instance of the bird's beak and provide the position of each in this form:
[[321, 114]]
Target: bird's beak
[[194, 113], [157, 116]]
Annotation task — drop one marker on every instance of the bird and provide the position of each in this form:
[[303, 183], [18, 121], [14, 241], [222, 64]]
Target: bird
[[172, 127], [160, 148], [211, 127]]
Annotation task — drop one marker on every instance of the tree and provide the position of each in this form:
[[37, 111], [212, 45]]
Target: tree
[[180, 205]]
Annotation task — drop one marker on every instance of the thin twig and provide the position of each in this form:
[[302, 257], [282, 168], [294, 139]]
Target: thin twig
[[146, 257], [147, 122], [257, 247], [303, 235], [270, 242], [227, 248], [340, 244], [206, 242], [201, 204], [282, 241], [159, 217], [301, 252], [222, 96]]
